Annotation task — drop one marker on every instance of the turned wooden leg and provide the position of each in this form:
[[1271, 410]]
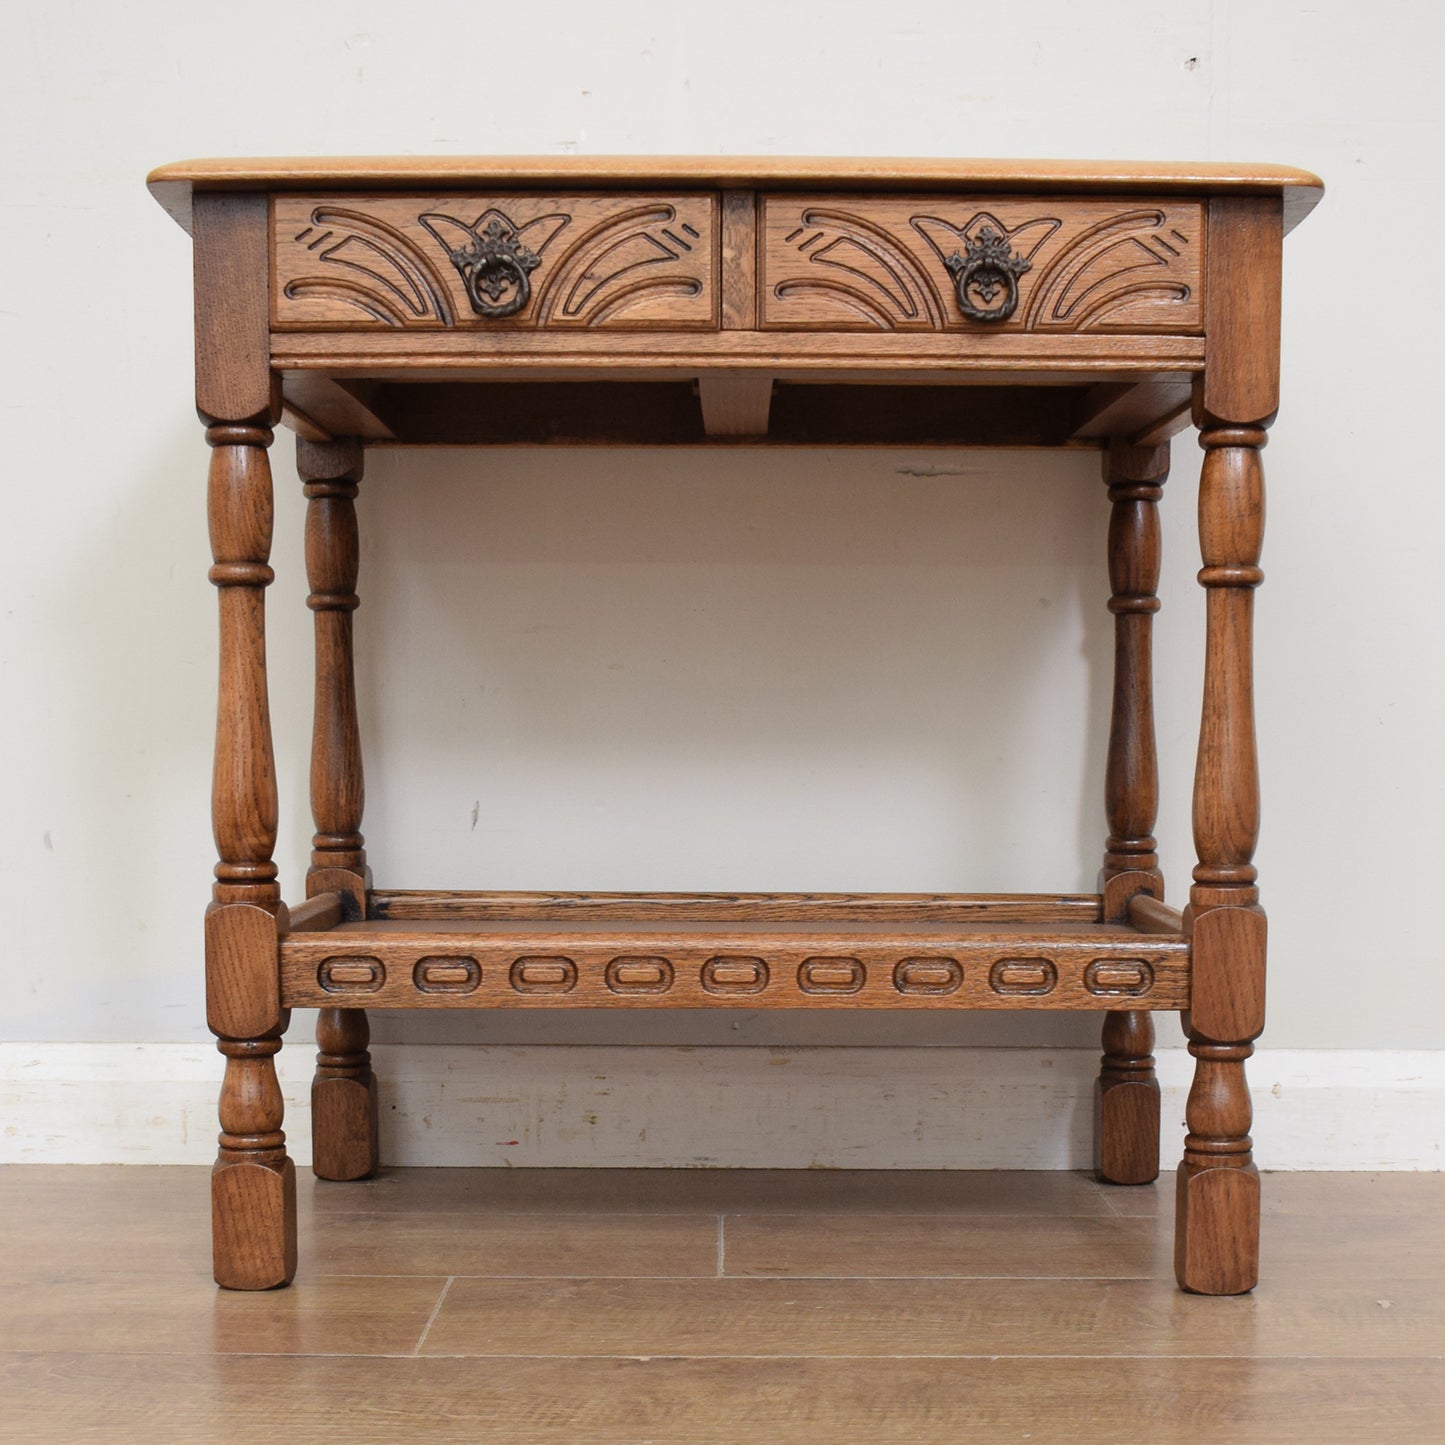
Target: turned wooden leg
[[253, 1183], [1126, 1115], [1217, 1217], [1126, 1101], [253, 1187], [343, 1093], [253, 1190], [1216, 1244], [343, 1097]]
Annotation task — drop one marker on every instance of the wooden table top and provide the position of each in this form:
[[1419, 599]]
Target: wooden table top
[[173, 185]]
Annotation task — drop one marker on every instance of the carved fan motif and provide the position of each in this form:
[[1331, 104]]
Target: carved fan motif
[[584, 262], [1097, 266]]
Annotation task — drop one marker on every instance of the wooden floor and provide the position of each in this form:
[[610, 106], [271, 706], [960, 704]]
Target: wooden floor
[[586, 1306]]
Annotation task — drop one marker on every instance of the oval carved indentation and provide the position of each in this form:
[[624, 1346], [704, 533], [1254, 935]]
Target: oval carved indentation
[[544, 973], [1023, 977], [928, 975], [639, 973], [441, 973], [734, 973], [831, 975], [1119, 977], [354, 974]]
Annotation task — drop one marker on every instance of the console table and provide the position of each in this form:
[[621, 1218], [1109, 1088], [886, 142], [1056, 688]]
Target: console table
[[705, 302]]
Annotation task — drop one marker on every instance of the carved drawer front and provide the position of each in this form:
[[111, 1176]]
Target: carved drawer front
[[1008, 263], [514, 262]]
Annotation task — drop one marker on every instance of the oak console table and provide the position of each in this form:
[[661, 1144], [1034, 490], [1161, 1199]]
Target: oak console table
[[701, 302]]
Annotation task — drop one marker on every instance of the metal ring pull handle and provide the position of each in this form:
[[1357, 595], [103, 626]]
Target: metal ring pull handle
[[984, 268], [494, 265], [496, 275]]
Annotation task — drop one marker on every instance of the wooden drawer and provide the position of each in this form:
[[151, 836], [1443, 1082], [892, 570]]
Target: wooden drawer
[[514, 262], [1027, 263]]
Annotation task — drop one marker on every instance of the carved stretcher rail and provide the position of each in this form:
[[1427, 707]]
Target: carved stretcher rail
[[670, 965]]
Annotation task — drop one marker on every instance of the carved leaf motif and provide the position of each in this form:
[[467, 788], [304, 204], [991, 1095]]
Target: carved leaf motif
[[364, 262], [407, 262], [888, 264]]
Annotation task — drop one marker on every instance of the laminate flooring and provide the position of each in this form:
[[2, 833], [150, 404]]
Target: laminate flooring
[[646, 1307]]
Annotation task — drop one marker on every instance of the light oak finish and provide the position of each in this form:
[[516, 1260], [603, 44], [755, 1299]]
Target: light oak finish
[[632, 261], [1217, 1217], [959, 908], [105, 1335], [858, 262], [175, 185], [782, 302], [344, 1104], [818, 964], [1126, 1125]]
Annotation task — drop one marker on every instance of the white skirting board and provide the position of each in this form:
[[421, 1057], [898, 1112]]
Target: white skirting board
[[718, 1107]]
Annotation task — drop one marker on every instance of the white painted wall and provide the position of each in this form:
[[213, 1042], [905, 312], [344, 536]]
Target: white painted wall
[[760, 670]]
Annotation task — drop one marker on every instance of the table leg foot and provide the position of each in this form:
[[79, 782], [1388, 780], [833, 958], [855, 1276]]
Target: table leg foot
[[1126, 1102], [343, 1098], [253, 1224], [253, 1184], [1216, 1229]]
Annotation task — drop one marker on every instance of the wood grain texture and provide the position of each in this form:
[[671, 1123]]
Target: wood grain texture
[[1242, 319], [1145, 413], [333, 409], [863, 1319], [243, 788], [175, 185], [1135, 478], [817, 1193], [667, 966], [422, 904], [344, 1110], [896, 1247], [1150, 915], [530, 1401], [233, 382], [1126, 1101], [253, 1183], [133, 1313], [1344, 1345], [331, 473], [243, 993], [863, 262], [386, 353], [738, 283], [542, 1244], [1217, 1215], [1126, 1097], [320, 912], [634, 262], [580, 300], [1218, 1194]]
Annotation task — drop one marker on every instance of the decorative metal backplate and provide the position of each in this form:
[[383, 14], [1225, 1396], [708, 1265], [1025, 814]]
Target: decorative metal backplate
[[490, 258], [606, 261], [931, 263], [982, 270]]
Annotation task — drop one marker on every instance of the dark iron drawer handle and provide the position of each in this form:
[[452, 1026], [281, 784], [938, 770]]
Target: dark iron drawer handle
[[985, 268], [494, 265]]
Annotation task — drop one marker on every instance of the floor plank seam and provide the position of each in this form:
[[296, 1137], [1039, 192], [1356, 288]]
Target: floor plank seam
[[683, 1358], [411, 1357], [721, 1248], [431, 1319], [781, 1278]]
